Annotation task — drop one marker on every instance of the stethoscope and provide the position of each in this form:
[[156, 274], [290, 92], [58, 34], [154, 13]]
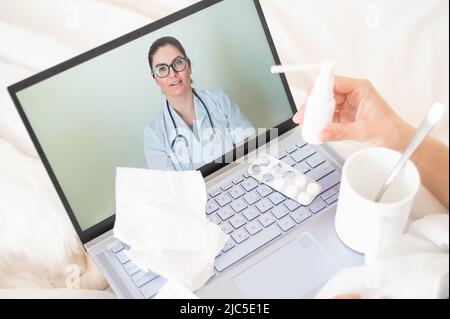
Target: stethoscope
[[183, 138]]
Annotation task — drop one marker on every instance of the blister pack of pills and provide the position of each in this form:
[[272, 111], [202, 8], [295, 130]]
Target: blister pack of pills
[[284, 179]]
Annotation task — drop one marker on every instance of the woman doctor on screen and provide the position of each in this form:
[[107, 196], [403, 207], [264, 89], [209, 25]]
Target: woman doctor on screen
[[196, 126]]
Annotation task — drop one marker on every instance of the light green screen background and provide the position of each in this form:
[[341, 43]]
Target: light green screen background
[[90, 119]]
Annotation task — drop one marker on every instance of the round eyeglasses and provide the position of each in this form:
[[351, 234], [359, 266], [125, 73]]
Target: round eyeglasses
[[178, 65]]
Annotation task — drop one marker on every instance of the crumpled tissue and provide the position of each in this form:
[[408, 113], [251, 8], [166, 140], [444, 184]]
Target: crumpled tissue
[[413, 266], [161, 216]]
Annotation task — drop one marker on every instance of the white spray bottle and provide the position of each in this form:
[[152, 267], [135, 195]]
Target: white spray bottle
[[320, 105]]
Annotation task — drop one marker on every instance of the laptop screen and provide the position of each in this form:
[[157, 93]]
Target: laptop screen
[[175, 95]]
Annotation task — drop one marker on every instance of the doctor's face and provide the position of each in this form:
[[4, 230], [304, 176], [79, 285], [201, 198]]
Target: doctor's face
[[176, 83]]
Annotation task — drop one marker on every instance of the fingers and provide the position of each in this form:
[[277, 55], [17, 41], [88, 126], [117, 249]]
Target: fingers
[[344, 86], [299, 116], [340, 98], [340, 132], [336, 116]]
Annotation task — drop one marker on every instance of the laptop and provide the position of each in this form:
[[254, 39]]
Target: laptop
[[87, 116]]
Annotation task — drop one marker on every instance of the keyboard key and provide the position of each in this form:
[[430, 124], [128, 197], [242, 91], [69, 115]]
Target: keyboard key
[[228, 245], [246, 175], [315, 160], [131, 268], [286, 223], [251, 213], [332, 199], [317, 205], [264, 205], [117, 248], [289, 160], [281, 156], [223, 199], [291, 150], [301, 144], [303, 153], [225, 213], [238, 180], [211, 207], [227, 186], [301, 214], [252, 197], [291, 205], [227, 228], [214, 219], [141, 278], [329, 181], [238, 221], [280, 211], [153, 287], [238, 205], [236, 192], [249, 184], [264, 190], [303, 167], [122, 258], [276, 198], [240, 235], [328, 194], [247, 247], [253, 227], [215, 193], [267, 219], [320, 171]]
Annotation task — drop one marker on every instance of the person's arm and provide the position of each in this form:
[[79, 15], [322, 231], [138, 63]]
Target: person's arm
[[432, 161], [363, 115]]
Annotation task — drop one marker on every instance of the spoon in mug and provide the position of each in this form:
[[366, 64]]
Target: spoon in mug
[[434, 116]]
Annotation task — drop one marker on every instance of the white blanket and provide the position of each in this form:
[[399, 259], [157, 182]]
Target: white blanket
[[415, 265]]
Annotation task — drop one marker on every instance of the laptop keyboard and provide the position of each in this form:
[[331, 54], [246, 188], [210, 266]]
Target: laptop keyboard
[[252, 214]]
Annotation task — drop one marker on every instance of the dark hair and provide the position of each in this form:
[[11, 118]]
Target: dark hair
[[162, 42]]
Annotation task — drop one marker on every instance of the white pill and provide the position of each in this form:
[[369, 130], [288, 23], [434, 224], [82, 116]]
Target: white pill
[[291, 191], [278, 183], [277, 168], [288, 174], [267, 178], [264, 160], [313, 188], [300, 181], [255, 169], [304, 198]]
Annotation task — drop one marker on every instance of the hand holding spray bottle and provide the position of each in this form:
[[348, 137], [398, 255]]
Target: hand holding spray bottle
[[320, 105]]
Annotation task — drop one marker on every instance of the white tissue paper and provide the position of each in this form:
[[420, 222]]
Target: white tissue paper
[[161, 216], [413, 266]]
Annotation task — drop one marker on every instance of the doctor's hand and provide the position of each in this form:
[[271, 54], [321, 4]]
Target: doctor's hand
[[362, 115]]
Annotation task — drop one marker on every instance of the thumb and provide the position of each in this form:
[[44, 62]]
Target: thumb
[[340, 132]]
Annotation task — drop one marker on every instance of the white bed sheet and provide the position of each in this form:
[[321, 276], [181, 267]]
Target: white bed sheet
[[402, 46]]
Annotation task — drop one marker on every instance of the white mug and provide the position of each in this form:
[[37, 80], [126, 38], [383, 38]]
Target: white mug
[[363, 224]]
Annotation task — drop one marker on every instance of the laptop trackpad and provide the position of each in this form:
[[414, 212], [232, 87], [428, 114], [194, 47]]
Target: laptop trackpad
[[291, 272]]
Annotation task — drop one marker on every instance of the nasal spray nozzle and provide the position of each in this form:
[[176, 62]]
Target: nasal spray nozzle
[[319, 108]]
